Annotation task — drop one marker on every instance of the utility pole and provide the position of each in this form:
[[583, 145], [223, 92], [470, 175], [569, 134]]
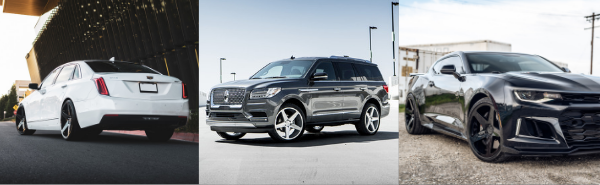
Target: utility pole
[[592, 18], [394, 38]]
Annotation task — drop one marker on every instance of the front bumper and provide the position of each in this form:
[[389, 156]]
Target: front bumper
[[573, 129], [255, 116]]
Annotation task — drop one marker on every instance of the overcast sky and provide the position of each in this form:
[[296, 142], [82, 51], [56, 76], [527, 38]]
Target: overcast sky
[[16, 36], [252, 33]]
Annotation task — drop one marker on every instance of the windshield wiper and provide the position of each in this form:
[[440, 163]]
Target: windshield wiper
[[255, 78], [277, 77]]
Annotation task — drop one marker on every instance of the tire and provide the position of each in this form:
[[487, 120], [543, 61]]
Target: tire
[[412, 118], [292, 129], [315, 128], [69, 125], [369, 120], [231, 135], [159, 135], [484, 132], [21, 124]]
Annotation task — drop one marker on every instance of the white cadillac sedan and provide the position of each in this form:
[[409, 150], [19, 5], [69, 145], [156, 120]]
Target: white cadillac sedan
[[85, 97]]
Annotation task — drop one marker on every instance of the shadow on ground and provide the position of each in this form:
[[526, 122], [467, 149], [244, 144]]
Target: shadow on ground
[[320, 139]]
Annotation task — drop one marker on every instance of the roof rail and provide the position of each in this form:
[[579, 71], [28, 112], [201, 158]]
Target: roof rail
[[350, 58]]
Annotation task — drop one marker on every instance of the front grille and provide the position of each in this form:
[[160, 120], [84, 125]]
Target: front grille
[[580, 127], [583, 98], [228, 96]]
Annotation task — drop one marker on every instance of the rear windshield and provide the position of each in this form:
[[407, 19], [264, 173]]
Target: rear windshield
[[119, 67]]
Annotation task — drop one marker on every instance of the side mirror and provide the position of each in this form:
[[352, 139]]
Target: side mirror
[[319, 76], [448, 69], [33, 86], [565, 69]]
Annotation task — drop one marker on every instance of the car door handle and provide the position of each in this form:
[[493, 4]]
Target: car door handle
[[431, 84], [337, 89]]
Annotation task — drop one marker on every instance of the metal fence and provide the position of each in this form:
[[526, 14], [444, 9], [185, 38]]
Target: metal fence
[[162, 34]]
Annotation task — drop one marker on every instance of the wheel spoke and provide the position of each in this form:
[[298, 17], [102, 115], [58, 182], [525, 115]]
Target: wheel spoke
[[287, 132], [285, 116], [67, 124], [479, 118], [478, 137], [279, 125], [491, 116], [65, 115], [293, 117], [20, 124], [371, 114], [488, 146], [294, 126], [411, 122]]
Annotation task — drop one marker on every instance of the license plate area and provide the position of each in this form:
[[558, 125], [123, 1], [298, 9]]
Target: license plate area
[[148, 88]]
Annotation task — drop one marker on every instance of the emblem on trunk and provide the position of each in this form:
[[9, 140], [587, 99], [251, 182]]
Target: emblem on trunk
[[149, 77], [226, 96]]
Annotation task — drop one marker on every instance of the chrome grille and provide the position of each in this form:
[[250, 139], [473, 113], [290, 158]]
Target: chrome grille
[[228, 96]]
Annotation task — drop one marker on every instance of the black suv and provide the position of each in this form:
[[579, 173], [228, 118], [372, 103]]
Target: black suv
[[289, 96]]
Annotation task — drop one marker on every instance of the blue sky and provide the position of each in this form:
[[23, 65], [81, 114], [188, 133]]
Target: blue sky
[[251, 34]]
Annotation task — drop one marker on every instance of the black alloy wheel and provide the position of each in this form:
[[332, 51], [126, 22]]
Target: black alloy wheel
[[412, 119], [485, 135]]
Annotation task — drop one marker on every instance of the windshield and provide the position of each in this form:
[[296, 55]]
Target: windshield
[[284, 69], [501, 63]]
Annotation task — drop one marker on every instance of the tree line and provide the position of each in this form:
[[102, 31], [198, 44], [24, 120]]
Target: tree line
[[8, 101]]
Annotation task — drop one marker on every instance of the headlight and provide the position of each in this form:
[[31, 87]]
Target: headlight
[[264, 93], [535, 96]]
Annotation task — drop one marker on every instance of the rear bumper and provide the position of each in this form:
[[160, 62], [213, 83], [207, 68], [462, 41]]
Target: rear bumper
[[91, 112], [139, 122]]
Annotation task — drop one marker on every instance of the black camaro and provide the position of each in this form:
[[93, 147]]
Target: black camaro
[[506, 104]]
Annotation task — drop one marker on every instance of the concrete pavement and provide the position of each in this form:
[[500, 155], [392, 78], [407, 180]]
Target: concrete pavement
[[338, 155]]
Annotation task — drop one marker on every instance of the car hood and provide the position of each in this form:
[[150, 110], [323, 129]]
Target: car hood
[[254, 83], [555, 81]]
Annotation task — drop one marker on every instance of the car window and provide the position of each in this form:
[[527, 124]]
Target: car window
[[65, 74], [369, 72], [327, 67], [457, 62], [284, 69], [501, 62], [76, 74], [48, 80], [119, 67], [438, 66], [346, 72]]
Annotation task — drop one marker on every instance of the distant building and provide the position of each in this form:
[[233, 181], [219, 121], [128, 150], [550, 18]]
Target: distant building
[[22, 87], [478, 45]]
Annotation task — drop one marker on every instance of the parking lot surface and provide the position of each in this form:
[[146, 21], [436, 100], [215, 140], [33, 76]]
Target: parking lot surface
[[439, 159], [338, 155]]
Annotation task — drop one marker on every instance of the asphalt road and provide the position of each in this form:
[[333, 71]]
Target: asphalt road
[[338, 155], [439, 159], [45, 157]]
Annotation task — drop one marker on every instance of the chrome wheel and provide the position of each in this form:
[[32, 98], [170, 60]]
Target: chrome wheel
[[66, 121], [289, 123], [21, 123], [372, 119]]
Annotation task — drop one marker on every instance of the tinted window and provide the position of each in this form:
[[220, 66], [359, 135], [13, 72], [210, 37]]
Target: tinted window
[[327, 67], [119, 67], [500, 62], [346, 72], [457, 62], [65, 74], [48, 80], [369, 72], [284, 69]]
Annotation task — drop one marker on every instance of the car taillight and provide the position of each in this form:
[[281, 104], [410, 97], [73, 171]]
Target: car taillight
[[386, 88], [183, 89], [101, 86]]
